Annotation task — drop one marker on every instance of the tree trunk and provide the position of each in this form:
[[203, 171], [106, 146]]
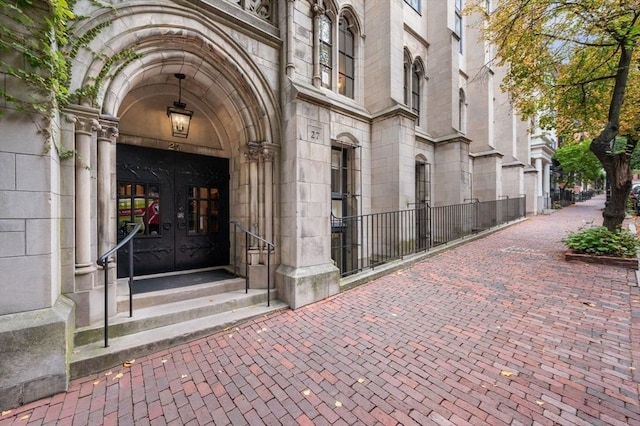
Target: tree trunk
[[616, 164], [619, 178]]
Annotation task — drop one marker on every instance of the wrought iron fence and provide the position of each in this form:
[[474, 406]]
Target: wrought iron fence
[[366, 241]]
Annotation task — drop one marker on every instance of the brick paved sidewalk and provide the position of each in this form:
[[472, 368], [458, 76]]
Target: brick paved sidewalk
[[499, 331]]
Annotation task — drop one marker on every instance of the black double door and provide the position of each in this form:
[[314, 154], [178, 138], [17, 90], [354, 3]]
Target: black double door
[[182, 203]]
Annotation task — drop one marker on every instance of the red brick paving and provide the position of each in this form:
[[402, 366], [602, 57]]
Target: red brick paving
[[499, 331]]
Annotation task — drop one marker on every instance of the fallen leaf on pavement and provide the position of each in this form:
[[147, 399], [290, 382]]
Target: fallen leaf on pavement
[[129, 363], [4, 413], [360, 380], [117, 376], [338, 404], [306, 392], [506, 373], [25, 417]]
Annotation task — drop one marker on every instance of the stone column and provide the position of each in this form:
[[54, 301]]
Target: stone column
[[539, 178], [84, 130], [290, 38], [268, 154], [546, 180], [253, 155], [317, 10], [106, 137]]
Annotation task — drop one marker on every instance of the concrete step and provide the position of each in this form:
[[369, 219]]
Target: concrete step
[[168, 313], [154, 298], [160, 327]]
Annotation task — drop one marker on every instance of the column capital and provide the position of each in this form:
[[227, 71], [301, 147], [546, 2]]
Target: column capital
[[77, 113], [252, 151], [87, 125], [84, 119], [107, 133], [269, 151], [317, 8], [108, 128]]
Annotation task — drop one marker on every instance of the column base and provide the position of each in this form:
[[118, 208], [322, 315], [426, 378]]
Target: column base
[[302, 286], [85, 268]]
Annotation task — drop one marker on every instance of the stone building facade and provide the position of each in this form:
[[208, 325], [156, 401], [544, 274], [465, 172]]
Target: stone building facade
[[301, 110]]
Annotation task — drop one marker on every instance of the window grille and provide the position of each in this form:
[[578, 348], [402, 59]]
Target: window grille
[[345, 182]]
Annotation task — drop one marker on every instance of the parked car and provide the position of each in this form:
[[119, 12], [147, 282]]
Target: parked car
[[635, 197]]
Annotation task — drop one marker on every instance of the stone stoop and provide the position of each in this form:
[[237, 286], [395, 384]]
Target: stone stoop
[[167, 318]]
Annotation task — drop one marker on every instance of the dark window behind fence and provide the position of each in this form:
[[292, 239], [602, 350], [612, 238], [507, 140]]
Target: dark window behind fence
[[373, 239]]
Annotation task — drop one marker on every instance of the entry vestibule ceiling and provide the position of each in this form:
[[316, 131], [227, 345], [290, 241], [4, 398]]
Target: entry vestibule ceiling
[[143, 113], [223, 115]]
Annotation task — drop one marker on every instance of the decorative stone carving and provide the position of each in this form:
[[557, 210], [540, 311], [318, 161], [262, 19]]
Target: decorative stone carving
[[317, 8], [87, 125], [252, 152], [107, 132], [261, 8], [268, 152]]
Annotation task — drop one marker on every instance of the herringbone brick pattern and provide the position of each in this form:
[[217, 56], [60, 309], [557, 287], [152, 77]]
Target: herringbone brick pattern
[[501, 331]]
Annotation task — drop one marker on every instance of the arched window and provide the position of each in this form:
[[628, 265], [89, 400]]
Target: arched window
[[326, 50], [346, 67], [416, 74]]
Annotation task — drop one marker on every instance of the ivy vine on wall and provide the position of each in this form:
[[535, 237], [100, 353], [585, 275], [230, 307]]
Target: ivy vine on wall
[[36, 50], [31, 33]]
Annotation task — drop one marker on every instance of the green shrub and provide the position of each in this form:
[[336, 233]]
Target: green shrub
[[600, 241]]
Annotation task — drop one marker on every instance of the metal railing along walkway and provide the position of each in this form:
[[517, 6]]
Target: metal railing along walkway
[[366, 241]]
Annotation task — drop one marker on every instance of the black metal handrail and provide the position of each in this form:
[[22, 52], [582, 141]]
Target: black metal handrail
[[270, 247], [104, 262]]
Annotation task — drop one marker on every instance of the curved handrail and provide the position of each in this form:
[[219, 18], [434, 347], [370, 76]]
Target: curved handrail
[[104, 262], [101, 260]]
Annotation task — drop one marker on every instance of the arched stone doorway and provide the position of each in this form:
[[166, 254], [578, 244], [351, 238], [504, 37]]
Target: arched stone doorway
[[234, 132]]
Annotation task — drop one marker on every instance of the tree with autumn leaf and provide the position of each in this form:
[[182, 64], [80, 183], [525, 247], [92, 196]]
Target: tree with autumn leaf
[[573, 63]]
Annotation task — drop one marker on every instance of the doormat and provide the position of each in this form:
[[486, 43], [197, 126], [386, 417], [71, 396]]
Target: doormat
[[182, 280]]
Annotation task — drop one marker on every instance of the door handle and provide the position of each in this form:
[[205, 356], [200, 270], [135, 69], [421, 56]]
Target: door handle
[[166, 226]]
